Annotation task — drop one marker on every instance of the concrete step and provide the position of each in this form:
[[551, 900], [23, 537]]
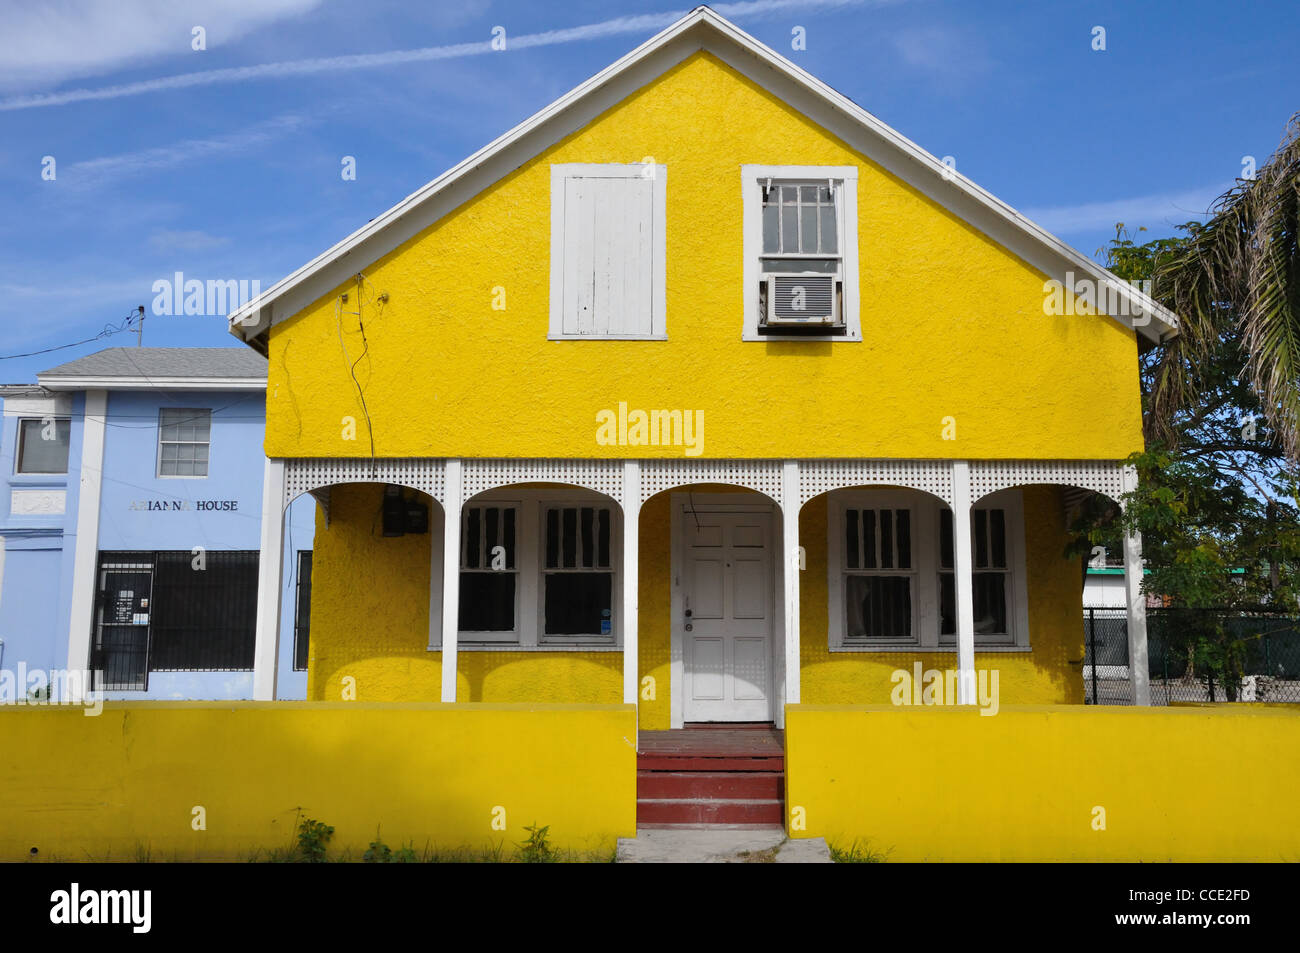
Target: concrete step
[[696, 762], [719, 844]]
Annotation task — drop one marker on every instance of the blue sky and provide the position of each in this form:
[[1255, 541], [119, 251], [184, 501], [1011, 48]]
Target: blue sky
[[224, 163]]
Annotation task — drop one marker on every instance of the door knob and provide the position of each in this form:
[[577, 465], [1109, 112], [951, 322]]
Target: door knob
[[688, 613]]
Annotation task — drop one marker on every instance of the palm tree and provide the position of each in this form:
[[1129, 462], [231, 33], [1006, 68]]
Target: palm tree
[[1239, 274]]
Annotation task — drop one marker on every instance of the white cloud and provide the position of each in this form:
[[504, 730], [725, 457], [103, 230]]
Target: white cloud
[[940, 50], [93, 172], [168, 240], [619, 25], [51, 41], [1165, 208]]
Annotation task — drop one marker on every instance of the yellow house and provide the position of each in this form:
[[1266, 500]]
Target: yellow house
[[704, 391]]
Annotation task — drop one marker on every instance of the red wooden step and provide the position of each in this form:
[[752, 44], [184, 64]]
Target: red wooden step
[[760, 785], [693, 762], [709, 811]]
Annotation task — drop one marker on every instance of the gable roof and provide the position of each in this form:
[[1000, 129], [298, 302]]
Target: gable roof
[[701, 29], [193, 368]]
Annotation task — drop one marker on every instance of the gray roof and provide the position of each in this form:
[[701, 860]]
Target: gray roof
[[186, 362]]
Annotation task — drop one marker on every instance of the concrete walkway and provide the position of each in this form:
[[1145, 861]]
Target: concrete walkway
[[720, 844]]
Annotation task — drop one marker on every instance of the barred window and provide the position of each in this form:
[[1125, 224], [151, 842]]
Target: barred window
[[577, 575], [878, 575], [488, 573], [989, 577]]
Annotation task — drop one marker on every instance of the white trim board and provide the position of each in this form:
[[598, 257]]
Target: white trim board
[[701, 29], [151, 383], [86, 551]]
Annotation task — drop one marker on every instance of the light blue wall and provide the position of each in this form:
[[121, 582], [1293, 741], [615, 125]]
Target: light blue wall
[[36, 589]]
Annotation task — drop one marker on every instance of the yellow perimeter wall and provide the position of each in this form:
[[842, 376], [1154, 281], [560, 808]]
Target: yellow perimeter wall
[[370, 622], [105, 787], [952, 323], [945, 784]]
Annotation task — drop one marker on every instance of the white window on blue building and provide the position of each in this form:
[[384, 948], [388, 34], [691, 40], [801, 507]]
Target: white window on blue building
[[184, 435], [43, 445]]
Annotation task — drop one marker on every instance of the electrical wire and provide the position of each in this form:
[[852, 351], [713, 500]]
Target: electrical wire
[[127, 324]]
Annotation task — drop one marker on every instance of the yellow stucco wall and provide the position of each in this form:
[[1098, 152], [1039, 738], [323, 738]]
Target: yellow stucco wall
[[947, 784], [953, 324], [126, 782], [370, 623]]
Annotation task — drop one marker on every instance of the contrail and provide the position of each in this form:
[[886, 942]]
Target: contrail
[[241, 74]]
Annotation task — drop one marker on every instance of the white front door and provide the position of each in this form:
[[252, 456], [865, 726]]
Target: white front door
[[727, 616]]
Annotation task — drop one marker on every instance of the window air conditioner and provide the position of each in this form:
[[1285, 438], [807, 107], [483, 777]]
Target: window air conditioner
[[802, 303]]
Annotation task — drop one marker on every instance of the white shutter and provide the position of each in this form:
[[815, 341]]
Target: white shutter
[[607, 251]]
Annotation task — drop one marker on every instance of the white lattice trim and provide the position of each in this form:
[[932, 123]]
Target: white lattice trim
[[1103, 476], [821, 476], [764, 476], [603, 476], [304, 475]]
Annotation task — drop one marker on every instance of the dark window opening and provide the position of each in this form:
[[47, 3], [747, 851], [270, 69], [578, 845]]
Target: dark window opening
[[302, 612]]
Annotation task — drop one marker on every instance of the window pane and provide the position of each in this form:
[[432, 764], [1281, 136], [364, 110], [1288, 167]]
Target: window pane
[[990, 603], [602, 541], [868, 539], [981, 539], [487, 601], [947, 604], [508, 535], [879, 607], [808, 194], [945, 539], [851, 539], [302, 613], [998, 536], [903, 536], [39, 454], [491, 536], [771, 228], [569, 545], [578, 603], [830, 238], [588, 538], [808, 227], [473, 527], [552, 538], [790, 227], [886, 539]]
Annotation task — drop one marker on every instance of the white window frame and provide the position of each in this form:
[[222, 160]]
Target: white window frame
[[925, 561], [530, 560], [19, 444], [658, 174], [753, 178], [158, 462]]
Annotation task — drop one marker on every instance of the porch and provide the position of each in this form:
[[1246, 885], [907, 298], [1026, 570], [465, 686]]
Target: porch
[[696, 590]]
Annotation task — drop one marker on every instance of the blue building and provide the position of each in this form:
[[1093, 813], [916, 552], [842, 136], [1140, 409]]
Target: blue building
[[130, 526]]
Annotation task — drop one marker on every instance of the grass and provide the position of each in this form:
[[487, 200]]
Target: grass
[[858, 854]]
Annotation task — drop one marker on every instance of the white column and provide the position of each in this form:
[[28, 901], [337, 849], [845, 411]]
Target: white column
[[270, 582], [790, 504], [452, 477], [631, 544], [1138, 668], [86, 554], [961, 571]]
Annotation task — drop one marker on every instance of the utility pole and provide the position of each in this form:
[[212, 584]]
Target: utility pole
[[139, 326]]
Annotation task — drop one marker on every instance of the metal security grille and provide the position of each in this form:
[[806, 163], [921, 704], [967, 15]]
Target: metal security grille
[[173, 612]]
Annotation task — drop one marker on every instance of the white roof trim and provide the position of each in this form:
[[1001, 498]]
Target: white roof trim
[[950, 188], [151, 383]]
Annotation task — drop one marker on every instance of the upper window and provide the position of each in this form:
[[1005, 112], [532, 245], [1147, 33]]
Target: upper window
[[43, 444], [800, 248], [608, 248], [878, 575], [184, 435], [990, 577]]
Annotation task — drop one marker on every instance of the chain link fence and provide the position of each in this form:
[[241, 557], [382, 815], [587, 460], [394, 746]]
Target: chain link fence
[[1195, 655]]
